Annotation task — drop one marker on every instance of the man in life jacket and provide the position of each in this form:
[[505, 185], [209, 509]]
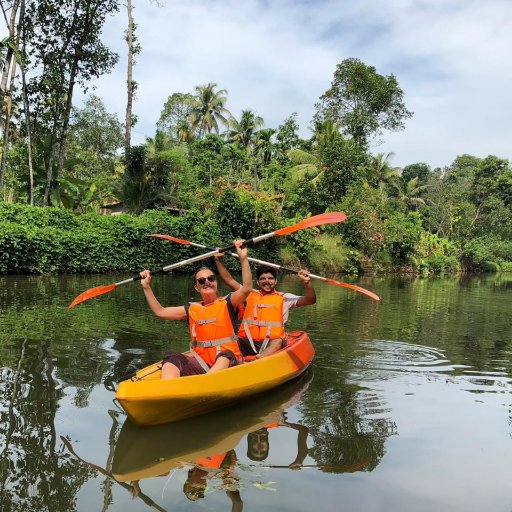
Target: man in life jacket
[[258, 445], [261, 331], [211, 322]]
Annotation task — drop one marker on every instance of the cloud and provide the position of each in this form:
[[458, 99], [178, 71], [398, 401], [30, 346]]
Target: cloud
[[277, 57]]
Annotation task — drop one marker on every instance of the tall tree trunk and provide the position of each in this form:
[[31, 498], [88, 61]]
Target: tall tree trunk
[[26, 107], [7, 121], [69, 100], [65, 122], [8, 67], [29, 136], [51, 158], [129, 86]]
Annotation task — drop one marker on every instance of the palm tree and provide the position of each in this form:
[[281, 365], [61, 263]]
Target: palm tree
[[309, 164], [379, 173], [207, 109], [410, 192], [244, 130], [263, 144]]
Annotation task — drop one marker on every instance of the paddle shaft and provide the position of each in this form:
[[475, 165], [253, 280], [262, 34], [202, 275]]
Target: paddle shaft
[[316, 220], [257, 261], [274, 265], [197, 258]]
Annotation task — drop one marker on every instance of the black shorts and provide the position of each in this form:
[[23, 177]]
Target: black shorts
[[188, 365]]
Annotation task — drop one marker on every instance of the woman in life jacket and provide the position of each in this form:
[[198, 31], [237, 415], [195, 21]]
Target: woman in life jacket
[[221, 466], [211, 322], [261, 331]]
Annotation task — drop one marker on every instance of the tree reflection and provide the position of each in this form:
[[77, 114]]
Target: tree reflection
[[34, 475]]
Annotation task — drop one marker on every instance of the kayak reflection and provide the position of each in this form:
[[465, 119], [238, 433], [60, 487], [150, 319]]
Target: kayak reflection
[[145, 452]]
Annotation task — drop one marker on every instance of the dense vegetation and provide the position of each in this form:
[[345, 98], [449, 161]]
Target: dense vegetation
[[230, 176]]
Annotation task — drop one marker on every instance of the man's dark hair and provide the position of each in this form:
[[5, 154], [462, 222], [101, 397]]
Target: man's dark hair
[[266, 270]]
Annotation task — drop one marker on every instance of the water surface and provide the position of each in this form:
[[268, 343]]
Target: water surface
[[407, 405]]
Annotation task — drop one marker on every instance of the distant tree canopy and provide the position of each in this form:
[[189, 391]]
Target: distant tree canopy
[[235, 175], [364, 102]]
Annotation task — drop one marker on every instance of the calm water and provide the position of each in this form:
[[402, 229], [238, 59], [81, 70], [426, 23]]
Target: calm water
[[407, 406]]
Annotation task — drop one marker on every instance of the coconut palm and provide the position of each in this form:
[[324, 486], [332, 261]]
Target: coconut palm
[[409, 192], [244, 130], [207, 109], [263, 145], [309, 164], [379, 173]]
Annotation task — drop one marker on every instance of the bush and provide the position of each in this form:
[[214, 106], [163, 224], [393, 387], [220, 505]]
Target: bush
[[479, 253], [440, 263], [40, 240], [489, 266], [331, 255]]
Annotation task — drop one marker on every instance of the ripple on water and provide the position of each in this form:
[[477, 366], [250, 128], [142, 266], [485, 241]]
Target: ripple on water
[[381, 360]]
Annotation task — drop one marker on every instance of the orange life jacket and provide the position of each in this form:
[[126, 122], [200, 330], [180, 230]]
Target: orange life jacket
[[211, 330], [213, 461], [263, 318]]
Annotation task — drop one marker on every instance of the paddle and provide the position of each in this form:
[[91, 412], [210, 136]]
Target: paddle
[[316, 220], [130, 488], [275, 265]]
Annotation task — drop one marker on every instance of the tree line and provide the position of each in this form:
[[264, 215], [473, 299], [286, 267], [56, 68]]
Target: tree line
[[230, 166]]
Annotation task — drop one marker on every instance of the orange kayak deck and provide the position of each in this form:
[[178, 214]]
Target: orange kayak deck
[[149, 400]]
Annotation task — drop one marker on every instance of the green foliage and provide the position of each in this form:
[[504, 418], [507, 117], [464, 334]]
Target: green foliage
[[420, 170], [287, 137], [174, 118], [439, 264], [331, 255], [236, 213], [363, 101], [99, 135], [366, 211], [39, 240], [480, 252], [207, 109], [402, 234], [341, 163], [243, 214]]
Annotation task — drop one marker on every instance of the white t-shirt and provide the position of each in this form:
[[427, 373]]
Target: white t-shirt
[[290, 302]]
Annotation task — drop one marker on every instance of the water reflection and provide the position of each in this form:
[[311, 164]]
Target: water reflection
[[143, 452], [204, 447], [422, 377]]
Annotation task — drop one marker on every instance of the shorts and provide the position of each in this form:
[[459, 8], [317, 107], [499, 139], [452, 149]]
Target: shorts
[[188, 365]]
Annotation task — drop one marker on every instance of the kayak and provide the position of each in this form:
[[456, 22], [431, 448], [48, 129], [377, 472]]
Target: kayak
[[147, 452], [149, 400]]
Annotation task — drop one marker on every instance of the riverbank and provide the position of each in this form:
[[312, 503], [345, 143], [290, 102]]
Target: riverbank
[[54, 240]]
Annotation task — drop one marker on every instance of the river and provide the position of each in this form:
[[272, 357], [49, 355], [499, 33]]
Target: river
[[407, 405]]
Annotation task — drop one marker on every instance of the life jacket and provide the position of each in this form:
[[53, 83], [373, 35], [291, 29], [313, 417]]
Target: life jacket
[[211, 331], [263, 318], [213, 461]]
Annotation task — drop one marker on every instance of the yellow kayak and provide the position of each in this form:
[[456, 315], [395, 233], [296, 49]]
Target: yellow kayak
[[149, 400], [146, 452]]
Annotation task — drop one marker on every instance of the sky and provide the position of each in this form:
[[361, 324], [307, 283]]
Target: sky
[[452, 59]]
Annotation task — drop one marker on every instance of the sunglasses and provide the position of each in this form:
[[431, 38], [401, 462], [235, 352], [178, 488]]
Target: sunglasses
[[211, 278]]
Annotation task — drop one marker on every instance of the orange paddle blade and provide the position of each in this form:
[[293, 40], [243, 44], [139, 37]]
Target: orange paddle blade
[[173, 238], [91, 293], [353, 287], [316, 220]]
